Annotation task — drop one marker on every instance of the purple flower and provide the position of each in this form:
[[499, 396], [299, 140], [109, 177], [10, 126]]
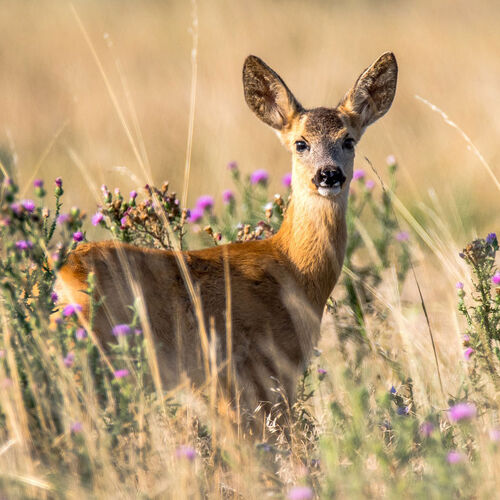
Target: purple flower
[[78, 236], [426, 429], [358, 174], [403, 410], [137, 331], [81, 333], [227, 196], [369, 185], [454, 457], [402, 236], [195, 215], [28, 205], [468, 353], [495, 435], [123, 222], [133, 194], [185, 451], [491, 238], [38, 183], [392, 390], [63, 218], [300, 493], [259, 177], [496, 278], [69, 360], [232, 165], [322, 371], [459, 285], [76, 427], [16, 208], [286, 180], [72, 310], [97, 218], [24, 245], [54, 297], [466, 339], [462, 411], [121, 330], [58, 182], [205, 202], [391, 160], [121, 373]]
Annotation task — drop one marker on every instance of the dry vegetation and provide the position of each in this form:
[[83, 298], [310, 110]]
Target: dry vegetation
[[59, 119]]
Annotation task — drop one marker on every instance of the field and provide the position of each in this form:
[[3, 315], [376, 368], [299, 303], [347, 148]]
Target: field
[[402, 393]]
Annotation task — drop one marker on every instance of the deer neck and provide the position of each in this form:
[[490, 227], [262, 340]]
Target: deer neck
[[313, 239]]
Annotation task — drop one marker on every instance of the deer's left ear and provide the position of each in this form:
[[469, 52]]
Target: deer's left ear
[[372, 94]]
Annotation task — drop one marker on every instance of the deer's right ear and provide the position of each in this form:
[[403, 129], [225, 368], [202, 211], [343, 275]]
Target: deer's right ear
[[267, 95]]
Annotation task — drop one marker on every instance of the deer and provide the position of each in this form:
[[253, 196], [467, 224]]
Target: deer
[[265, 324]]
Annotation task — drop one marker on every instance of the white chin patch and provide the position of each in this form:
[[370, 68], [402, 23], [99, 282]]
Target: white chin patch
[[330, 192]]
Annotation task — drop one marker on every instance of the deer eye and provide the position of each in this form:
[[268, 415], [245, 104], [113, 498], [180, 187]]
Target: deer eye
[[301, 146], [348, 144]]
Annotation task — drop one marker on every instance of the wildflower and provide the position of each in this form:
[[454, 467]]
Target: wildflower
[[232, 166], [54, 297], [24, 244], [259, 177], [185, 451], [58, 182], [137, 331], [121, 330], [462, 411], [72, 310], [76, 427], [391, 160], [426, 428], [118, 374], [459, 285], [16, 208], [287, 180], [97, 218], [369, 185], [78, 236], [300, 493], [392, 390], [468, 353], [496, 278], [81, 333], [195, 215], [227, 196], [38, 183], [466, 340], [205, 202], [358, 174], [59, 190], [494, 435], [123, 222], [28, 205], [63, 218], [133, 194], [402, 236], [491, 238], [322, 371], [69, 360], [403, 410], [454, 457]]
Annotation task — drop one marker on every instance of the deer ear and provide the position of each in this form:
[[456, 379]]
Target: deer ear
[[373, 93], [267, 95]]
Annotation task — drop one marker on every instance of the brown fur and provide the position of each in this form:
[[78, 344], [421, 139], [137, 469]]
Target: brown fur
[[279, 286]]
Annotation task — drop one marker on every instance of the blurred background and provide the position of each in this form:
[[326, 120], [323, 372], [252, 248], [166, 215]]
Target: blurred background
[[57, 109]]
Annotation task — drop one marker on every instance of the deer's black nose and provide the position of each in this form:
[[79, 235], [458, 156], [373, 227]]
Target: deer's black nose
[[329, 177]]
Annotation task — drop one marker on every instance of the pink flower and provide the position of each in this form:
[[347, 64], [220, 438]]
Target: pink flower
[[97, 218], [185, 451], [358, 174], [300, 493], [121, 373], [195, 215], [81, 333], [38, 183], [205, 202], [496, 278], [462, 411], [133, 194], [403, 236], [459, 285], [72, 310], [322, 371], [63, 218], [369, 185], [28, 205], [454, 457], [391, 160], [58, 182], [259, 177], [121, 330], [54, 297], [468, 353], [76, 427], [426, 429], [24, 245], [287, 180], [78, 236], [69, 359], [232, 165], [227, 196]]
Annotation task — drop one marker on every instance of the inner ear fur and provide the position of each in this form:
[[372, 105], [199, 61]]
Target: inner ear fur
[[372, 94], [267, 94]]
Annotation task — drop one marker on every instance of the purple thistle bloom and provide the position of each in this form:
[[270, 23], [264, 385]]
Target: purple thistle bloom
[[426, 429], [121, 330], [16, 208], [28, 205], [259, 177], [459, 285], [123, 222], [403, 410], [300, 493], [63, 218], [72, 310], [454, 457], [133, 194], [38, 183], [468, 353], [195, 215], [205, 202], [287, 180], [69, 360], [54, 297], [78, 236], [121, 373], [496, 278], [97, 218], [462, 411], [232, 165], [403, 236], [58, 182], [358, 174], [24, 245], [81, 333], [187, 452], [322, 371], [369, 185], [76, 427], [491, 238], [227, 196]]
